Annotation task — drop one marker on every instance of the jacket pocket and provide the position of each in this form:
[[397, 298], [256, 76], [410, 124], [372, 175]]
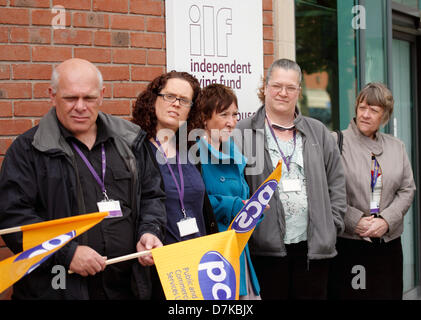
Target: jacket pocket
[[121, 191]]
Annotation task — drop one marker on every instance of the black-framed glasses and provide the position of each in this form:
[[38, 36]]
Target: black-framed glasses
[[172, 98]]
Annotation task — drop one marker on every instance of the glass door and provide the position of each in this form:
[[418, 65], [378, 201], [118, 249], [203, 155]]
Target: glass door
[[317, 54], [402, 127]]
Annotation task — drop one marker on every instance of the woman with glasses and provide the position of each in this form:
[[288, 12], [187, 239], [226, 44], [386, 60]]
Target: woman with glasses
[[292, 247], [380, 188], [166, 111]]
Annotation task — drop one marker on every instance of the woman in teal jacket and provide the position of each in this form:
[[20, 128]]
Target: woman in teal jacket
[[223, 170]]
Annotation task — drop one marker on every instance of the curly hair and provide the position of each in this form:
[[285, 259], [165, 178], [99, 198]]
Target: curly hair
[[144, 113], [214, 98]]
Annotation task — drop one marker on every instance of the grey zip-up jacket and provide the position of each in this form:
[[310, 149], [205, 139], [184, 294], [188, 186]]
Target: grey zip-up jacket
[[398, 187], [325, 187]]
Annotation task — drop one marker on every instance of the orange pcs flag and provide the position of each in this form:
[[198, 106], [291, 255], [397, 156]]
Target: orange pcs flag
[[246, 220], [208, 268], [203, 268], [40, 241]]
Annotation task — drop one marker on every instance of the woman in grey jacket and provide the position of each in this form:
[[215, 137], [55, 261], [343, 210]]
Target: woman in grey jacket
[[292, 247], [380, 189]]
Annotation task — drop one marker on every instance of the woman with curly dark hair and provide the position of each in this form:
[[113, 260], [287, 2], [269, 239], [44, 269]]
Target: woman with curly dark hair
[[166, 111], [144, 110]]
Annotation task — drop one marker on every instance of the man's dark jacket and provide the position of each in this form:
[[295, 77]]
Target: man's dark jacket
[[38, 182]]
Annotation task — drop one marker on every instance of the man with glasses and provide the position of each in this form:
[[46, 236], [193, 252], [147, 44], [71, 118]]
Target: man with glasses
[[292, 247], [79, 160]]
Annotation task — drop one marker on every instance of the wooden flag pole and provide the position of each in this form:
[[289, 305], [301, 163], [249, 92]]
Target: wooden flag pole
[[127, 257], [123, 258], [10, 230]]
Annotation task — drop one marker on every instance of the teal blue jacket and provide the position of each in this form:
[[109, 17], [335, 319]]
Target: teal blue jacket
[[226, 187]]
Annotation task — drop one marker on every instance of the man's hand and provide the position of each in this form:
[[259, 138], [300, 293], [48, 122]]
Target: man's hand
[[147, 242], [86, 261]]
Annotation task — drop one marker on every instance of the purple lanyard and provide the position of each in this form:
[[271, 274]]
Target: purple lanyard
[[375, 174], [180, 189], [287, 160], [92, 170]]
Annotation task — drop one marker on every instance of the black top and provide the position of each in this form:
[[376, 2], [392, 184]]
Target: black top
[[118, 187], [194, 192]]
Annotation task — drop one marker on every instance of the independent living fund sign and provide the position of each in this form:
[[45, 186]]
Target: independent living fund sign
[[218, 41]]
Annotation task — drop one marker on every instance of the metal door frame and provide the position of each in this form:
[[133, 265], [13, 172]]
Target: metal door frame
[[405, 25]]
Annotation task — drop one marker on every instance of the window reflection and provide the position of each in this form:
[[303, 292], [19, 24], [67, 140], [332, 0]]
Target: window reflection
[[317, 54], [409, 3]]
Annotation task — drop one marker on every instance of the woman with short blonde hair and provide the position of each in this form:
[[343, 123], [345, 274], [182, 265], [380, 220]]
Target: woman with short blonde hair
[[380, 188]]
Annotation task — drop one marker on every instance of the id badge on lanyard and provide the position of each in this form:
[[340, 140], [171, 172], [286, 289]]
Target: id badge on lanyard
[[112, 206], [291, 185], [187, 225]]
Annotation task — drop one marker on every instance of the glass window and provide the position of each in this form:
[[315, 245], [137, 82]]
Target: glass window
[[349, 22], [317, 54], [374, 39], [410, 3], [403, 129]]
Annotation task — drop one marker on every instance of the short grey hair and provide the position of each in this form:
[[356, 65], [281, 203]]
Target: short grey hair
[[55, 77], [377, 94], [285, 64]]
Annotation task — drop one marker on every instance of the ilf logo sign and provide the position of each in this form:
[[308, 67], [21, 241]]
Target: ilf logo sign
[[210, 35], [218, 41], [210, 30]]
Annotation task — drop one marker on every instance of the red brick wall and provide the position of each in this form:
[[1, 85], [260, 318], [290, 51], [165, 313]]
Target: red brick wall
[[124, 38], [268, 34]]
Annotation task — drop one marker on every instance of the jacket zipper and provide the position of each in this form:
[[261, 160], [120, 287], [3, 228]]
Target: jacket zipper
[[380, 201], [309, 229]]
